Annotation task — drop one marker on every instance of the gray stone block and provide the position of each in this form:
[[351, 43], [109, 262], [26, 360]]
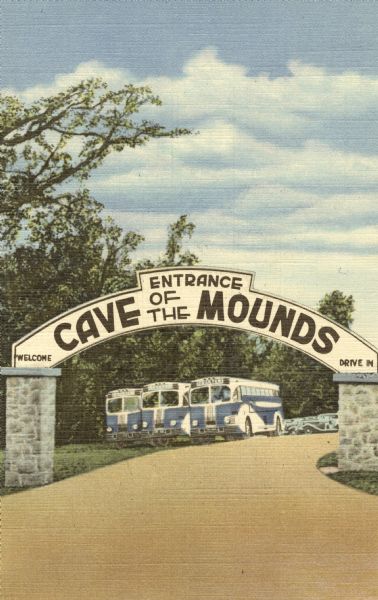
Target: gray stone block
[[30, 428], [12, 479], [358, 422]]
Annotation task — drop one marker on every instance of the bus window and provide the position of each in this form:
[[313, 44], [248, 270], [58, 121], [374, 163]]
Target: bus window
[[169, 398], [115, 405], [185, 400], [131, 403], [220, 393], [200, 396], [150, 399]]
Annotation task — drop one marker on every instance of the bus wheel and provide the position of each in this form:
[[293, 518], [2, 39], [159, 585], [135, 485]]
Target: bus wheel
[[121, 444], [248, 428], [163, 442], [195, 441]]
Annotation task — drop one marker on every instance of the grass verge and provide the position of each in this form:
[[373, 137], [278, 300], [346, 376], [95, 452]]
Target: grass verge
[[74, 459], [366, 481]]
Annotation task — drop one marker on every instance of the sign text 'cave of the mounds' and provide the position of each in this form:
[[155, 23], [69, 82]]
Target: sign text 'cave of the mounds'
[[201, 297]]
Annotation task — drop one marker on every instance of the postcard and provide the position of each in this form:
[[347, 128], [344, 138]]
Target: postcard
[[188, 372]]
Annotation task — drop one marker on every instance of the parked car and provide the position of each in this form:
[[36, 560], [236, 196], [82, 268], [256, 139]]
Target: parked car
[[323, 423], [293, 426]]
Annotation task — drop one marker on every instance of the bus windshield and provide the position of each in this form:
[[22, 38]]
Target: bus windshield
[[131, 403], [150, 399], [220, 393], [115, 405], [169, 398], [200, 396]]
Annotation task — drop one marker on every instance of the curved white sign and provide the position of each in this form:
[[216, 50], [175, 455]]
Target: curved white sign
[[195, 296]]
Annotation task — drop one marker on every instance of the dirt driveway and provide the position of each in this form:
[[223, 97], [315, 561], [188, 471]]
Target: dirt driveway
[[251, 519]]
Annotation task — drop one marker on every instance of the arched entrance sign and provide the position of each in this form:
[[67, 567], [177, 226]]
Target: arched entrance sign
[[174, 297], [195, 296]]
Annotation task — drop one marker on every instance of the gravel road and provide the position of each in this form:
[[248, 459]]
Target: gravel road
[[252, 519]]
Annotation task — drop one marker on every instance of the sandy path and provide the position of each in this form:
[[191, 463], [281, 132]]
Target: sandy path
[[251, 519]]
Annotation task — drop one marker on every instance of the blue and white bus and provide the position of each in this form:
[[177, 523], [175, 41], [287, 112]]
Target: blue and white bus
[[123, 413], [234, 408], [165, 411]]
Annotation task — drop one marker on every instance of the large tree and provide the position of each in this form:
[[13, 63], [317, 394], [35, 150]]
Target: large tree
[[63, 137], [338, 306], [69, 255], [306, 385]]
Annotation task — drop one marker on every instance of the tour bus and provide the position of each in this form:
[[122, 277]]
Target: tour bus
[[123, 413], [165, 411], [234, 408]]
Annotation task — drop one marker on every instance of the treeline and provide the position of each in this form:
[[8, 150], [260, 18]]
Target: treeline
[[59, 250]]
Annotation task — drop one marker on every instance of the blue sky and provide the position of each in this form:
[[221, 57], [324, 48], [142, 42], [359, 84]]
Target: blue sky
[[282, 178]]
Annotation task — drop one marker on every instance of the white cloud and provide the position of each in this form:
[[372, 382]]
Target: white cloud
[[308, 209], [233, 231], [211, 87], [86, 70], [223, 155]]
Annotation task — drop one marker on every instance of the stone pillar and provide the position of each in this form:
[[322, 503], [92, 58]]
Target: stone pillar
[[358, 421], [30, 426]]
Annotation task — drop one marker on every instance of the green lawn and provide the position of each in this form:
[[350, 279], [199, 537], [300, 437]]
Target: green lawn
[[80, 458], [74, 459], [366, 481]]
